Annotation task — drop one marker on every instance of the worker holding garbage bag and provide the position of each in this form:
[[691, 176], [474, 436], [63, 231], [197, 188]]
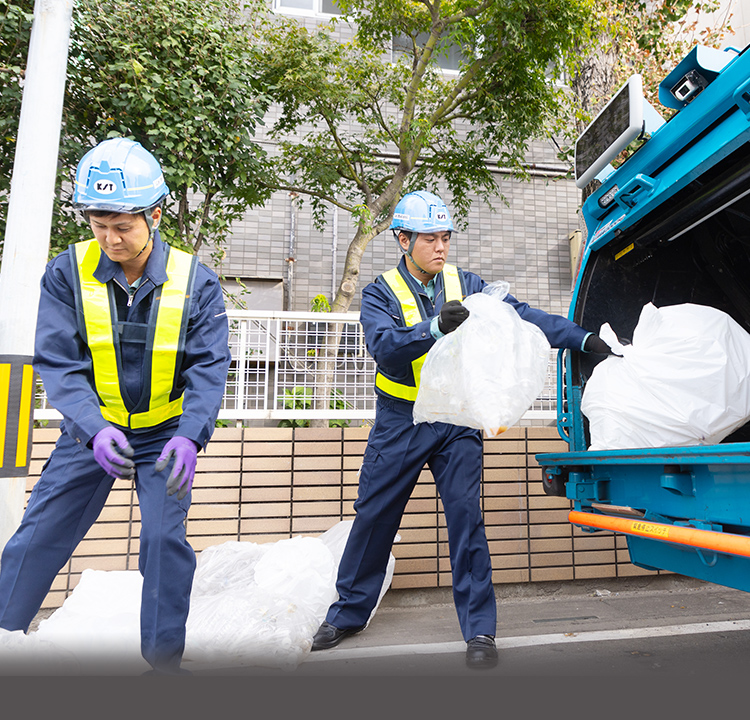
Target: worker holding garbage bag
[[132, 347], [403, 313]]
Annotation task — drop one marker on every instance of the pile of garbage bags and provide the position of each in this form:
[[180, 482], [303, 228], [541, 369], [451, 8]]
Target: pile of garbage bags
[[684, 380], [251, 605]]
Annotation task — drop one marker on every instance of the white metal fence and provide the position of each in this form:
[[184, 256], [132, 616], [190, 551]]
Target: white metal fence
[[276, 364]]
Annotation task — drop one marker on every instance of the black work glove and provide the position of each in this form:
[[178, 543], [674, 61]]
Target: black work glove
[[594, 344], [452, 314]]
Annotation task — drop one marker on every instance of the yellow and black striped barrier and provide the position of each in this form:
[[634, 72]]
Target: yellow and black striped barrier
[[16, 414]]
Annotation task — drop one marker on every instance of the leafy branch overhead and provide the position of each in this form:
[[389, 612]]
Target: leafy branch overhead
[[179, 77], [649, 38], [16, 19], [357, 111], [176, 75], [366, 112]]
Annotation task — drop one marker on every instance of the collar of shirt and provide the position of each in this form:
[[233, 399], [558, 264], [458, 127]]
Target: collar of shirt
[[155, 270], [429, 288]]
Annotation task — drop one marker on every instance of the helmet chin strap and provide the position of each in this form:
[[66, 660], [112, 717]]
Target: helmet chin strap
[[412, 240], [414, 262], [144, 247], [151, 227]]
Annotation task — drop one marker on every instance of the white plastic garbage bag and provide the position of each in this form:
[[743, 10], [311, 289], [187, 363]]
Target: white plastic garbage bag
[[685, 380], [261, 604], [251, 604], [22, 654], [488, 372], [99, 622]]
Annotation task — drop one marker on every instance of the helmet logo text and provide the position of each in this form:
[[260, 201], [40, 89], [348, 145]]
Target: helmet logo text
[[104, 187]]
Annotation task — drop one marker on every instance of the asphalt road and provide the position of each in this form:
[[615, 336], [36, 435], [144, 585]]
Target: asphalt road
[[661, 626], [660, 647]]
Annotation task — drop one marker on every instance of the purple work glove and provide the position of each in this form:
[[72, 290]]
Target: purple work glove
[[106, 444], [185, 455]]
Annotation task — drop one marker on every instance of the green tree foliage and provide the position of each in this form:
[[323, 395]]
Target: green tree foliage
[[320, 304], [634, 36], [179, 77], [655, 36], [359, 126], [646, 38]]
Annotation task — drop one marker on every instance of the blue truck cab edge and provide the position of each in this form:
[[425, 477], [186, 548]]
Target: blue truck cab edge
[[670, 225]]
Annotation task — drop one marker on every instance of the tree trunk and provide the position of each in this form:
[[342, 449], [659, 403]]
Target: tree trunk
[[326, 367]]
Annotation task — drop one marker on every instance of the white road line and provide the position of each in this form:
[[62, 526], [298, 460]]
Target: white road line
[[340, 653]]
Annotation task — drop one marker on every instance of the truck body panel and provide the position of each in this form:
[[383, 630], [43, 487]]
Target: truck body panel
[[671, 225]]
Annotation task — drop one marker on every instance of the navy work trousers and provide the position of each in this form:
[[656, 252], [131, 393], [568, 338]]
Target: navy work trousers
[[396, 452], [64, 504]]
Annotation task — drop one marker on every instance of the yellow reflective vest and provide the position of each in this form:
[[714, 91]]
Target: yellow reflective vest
[[165, 338], [412, 312]]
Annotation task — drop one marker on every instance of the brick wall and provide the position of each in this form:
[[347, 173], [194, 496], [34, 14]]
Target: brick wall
[[264, 484]]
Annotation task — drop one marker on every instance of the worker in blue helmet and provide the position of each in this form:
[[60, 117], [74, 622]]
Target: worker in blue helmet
[[403, 313], [132, 348]]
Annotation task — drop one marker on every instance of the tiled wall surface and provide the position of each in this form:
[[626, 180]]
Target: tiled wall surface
[[265, 484], [524, 243]]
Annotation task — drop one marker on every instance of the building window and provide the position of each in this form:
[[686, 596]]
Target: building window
[[450, 60], [249, 293], [308, 7]]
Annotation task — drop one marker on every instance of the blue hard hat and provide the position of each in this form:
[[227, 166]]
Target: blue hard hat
[[119, 175], [421, 212]]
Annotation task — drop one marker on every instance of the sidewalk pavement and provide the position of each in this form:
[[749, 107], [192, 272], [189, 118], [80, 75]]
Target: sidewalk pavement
[[661, 645]]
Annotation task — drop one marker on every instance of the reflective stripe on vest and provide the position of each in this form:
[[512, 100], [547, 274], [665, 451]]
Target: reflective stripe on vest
[[411, 309], [166, 337]]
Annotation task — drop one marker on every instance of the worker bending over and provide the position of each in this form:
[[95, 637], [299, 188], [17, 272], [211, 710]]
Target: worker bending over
[[132, 348]]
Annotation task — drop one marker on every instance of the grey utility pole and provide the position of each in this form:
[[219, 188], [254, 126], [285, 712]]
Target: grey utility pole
[[26, 246]]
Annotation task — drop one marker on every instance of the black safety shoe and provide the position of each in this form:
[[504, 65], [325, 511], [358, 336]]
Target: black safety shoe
[[481, 652], [329, 636]]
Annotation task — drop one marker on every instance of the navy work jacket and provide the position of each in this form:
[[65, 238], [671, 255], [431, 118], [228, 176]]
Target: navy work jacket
[[394, 346], [63, 360]]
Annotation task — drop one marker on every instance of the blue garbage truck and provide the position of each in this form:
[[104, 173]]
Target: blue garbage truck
[[670, 225]]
